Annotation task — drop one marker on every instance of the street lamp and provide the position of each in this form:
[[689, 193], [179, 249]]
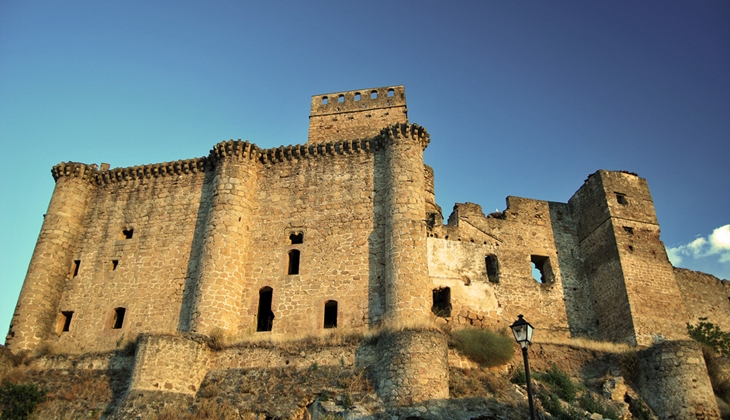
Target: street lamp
[[523, 334]]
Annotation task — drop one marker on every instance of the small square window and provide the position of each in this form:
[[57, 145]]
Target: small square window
[[621, 199]]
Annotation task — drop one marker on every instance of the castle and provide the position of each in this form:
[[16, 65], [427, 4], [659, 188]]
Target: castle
[[344, 232]]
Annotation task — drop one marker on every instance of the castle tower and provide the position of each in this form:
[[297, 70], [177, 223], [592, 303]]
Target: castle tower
[[632, 281], [53, 263], [356, 114], [220, 286], [407, 284]]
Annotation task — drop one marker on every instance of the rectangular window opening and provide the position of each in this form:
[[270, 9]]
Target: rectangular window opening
[[64, 322], [629, 230], [293, 267], [118, 320], [114, 265], [127, 233], [621, 199], [330, 314], [442, 302], [75, 268], [541, 270], [265, 314], [492, 268]]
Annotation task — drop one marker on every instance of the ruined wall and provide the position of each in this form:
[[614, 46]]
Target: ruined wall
[[705, 297], [512, 238], [356, 114]]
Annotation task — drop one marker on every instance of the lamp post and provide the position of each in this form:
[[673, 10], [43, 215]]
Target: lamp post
[[523, 334]]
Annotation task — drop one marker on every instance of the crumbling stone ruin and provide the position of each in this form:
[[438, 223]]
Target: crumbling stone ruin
[[343, 232]]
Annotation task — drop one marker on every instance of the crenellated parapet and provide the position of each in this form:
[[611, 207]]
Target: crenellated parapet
[[315, 150], [243, 149], [404, 132], [74, 169], [175, 168]]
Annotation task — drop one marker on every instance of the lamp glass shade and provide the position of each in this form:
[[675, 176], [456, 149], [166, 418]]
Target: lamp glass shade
[[522, 331]]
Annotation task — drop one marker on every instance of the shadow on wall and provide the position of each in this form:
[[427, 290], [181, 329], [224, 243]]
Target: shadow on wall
[[191, 275]]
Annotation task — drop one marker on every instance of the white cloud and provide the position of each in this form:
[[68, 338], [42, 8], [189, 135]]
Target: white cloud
[[716, 245]]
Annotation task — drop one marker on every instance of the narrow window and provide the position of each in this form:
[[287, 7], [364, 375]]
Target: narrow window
[[357, 96], [114, 264], [118, 320], [64, 322], [391, 92], [492, 268], [442, 302], [330, 314], [325, 100], [341, 98], [293, 262], [265, 314], [75, 268], [296, 238], [374, 94], [629, 230], [541, 270], [621, 199], [127, 233]]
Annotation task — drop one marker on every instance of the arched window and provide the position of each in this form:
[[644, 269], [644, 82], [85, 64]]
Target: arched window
[[341, 98], [330, 314], [293, 262], [374, 94], [265, 314], [357, 96], [391, 92], [325, 100]]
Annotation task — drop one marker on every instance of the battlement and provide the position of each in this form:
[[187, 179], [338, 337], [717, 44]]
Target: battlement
[[356, 113], [358, 100]]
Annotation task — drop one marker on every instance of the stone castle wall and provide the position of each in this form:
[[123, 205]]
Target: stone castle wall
[[705, 296], [341, 232], [356, 114]]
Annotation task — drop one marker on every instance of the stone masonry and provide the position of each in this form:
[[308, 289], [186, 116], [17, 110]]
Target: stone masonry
[[344, 232]]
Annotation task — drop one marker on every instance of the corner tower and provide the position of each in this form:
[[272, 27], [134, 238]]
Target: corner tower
[[356, 114], [54, 261], [631, 279]]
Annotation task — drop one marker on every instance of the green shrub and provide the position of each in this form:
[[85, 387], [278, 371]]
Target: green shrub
[[551, 403], [18, 401], [483, 346], [588, 403], [518, 376], [559, 382], [710, 335]]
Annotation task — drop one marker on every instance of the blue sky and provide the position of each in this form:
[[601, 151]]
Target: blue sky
[[521, 98]]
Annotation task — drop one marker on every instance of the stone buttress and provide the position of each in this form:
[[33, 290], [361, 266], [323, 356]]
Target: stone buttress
[[220, 285], [53, 262]]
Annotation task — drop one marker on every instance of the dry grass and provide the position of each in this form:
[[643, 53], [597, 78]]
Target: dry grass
[[218, 340], [587, 344]]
